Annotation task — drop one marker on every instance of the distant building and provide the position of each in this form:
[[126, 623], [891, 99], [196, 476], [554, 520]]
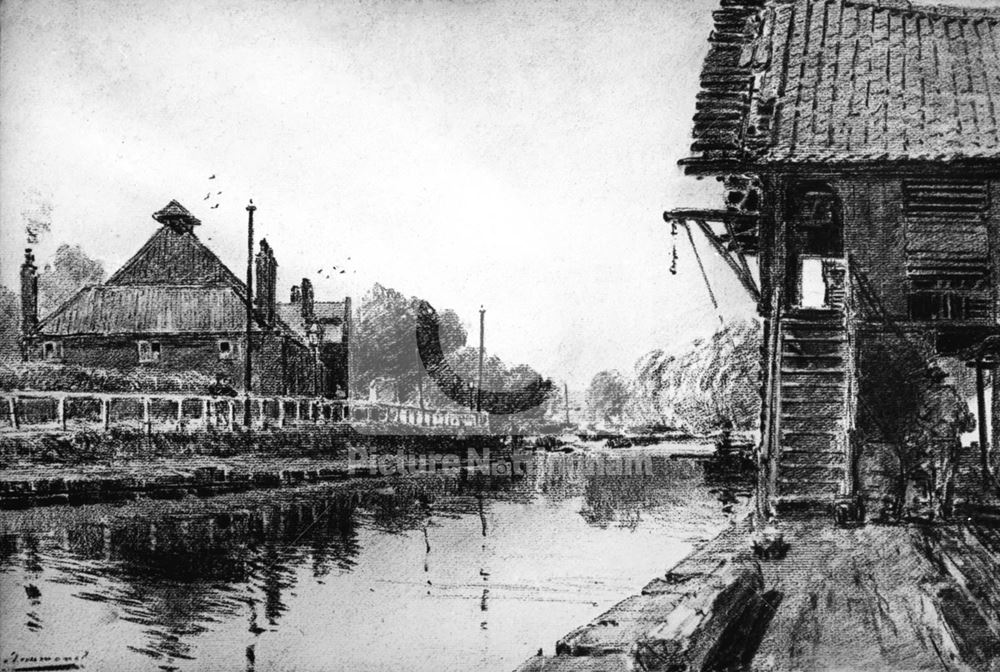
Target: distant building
[[859, 142], [327, 326], [175, 307]]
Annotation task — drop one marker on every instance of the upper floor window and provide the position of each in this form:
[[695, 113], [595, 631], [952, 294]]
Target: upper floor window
[[52, 350], [149, 352], [225, 349]]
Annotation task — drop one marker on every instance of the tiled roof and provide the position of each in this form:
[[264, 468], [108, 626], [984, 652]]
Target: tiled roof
[[848, 81], [148, 309], [328, 310], [324, 311], [291, 314], [175, 257], [174, 284]]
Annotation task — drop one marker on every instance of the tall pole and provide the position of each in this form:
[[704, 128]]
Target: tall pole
[[566, 398], [482, 329], [248, 358]]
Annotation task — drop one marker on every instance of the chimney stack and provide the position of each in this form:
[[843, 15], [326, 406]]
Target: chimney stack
[[296, 294], [267, 276], [307, 299], [29, 294]]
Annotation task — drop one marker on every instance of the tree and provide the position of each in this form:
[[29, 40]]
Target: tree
[[10, 325], [386, 342], [607, 395], [713, 383], [64, 275]]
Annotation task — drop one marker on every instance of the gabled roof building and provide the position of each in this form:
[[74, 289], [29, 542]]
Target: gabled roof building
[[175, 306], [859, 143]]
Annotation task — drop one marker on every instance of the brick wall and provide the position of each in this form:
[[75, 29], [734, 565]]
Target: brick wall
[[275, 372]]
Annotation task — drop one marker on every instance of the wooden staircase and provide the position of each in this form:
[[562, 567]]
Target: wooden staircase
[[813, 458]]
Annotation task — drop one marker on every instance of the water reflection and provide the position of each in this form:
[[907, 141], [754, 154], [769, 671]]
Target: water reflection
[[193, 575]]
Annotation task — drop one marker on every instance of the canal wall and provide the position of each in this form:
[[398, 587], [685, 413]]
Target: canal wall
[[707, 609], [71, 447], [886, 597], [89, 467]]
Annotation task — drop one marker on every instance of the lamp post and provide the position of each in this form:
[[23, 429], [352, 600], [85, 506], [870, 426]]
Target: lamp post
[[248, 358], [479, 389]]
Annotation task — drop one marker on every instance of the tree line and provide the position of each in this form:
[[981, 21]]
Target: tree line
[[710, 385]]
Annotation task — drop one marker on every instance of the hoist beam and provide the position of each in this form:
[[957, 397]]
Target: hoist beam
[[734, 258]]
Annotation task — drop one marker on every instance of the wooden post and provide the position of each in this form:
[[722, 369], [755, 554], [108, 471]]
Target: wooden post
[[984, 447], [146, 420], [12, 406], [771, 415], [995, 424], [204, 412], [260, 408], [281, 412], [298, 411], [105, 413], [61, 412], [180, 414], [230, 413]]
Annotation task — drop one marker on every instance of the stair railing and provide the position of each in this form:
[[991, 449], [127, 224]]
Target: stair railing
[[850, 484], [876, 306], [767, 466]]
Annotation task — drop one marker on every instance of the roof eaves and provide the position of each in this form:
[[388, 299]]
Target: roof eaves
[[936, 10]]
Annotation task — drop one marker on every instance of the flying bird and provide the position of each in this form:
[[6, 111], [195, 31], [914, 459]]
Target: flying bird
[[215, 206], [212, 177], [207, 196], [343, 271], [219, 193]]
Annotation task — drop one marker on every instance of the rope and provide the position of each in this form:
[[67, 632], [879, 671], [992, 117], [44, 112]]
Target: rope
[[704, 275], [673, 251]]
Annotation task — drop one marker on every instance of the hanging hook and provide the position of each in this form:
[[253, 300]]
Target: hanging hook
[[673, 252]]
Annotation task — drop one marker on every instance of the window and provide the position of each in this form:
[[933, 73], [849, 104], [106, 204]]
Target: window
[[149, 352], [948, 299], [52, 350], [225, 350], [947, 243]]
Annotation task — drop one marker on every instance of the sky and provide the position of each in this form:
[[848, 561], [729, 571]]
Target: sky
[[515, 154]]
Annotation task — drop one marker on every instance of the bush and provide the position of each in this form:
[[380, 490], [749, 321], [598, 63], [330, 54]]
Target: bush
[[45, 377]]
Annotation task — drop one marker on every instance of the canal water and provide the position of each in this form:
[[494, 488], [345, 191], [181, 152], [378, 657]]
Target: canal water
[[436, 572]]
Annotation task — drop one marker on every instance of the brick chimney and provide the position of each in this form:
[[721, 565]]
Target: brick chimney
[[267, 276], [307, 299], [296, 294], [29, 294]]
